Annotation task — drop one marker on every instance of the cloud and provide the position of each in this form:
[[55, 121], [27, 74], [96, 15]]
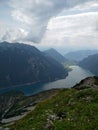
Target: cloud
[[14, 35], [73, 31], [33, 17]]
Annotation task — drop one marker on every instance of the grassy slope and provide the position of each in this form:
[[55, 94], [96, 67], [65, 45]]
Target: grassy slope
[[70, 109]]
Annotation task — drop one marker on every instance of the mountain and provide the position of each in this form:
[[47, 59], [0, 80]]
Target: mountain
[[69, 109], [80, 55], [55, 55], [90, 63], [21, 64]]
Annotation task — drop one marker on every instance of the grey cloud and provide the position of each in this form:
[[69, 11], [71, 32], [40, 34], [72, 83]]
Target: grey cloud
[[39, 12], [34, 15]]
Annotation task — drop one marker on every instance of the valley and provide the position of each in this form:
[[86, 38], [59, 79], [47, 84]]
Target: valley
[[38, 102], [48, 65]]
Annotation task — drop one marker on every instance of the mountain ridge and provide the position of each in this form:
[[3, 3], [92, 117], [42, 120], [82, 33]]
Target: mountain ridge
[[80, 55], [21, 64]]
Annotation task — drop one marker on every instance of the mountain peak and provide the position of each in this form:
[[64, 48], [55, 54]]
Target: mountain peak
[[55, 55]]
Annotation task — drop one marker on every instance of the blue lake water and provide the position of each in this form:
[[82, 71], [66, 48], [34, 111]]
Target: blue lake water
[[74, 76]]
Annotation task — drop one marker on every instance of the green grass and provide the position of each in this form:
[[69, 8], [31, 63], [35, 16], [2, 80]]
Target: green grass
[[70, 109]]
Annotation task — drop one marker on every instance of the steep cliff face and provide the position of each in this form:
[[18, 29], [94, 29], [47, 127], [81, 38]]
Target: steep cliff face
[[20, 64]]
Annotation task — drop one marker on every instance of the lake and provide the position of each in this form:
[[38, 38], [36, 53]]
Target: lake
[[74, 76]]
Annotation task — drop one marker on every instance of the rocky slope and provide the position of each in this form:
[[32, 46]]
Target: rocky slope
[[14, 103]]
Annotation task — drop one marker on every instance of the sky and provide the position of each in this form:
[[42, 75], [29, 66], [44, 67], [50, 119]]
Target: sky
[[62, 24]]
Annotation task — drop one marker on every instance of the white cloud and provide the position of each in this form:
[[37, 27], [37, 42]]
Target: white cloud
[[77, 30]]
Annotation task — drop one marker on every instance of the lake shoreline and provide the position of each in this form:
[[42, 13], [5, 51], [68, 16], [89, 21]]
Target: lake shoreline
[[75, 76], [33, 83]]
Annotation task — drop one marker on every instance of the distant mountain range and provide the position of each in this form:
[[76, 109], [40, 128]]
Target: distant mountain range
[[55, 55], [90, 63], [21, 64], [80, 55]]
